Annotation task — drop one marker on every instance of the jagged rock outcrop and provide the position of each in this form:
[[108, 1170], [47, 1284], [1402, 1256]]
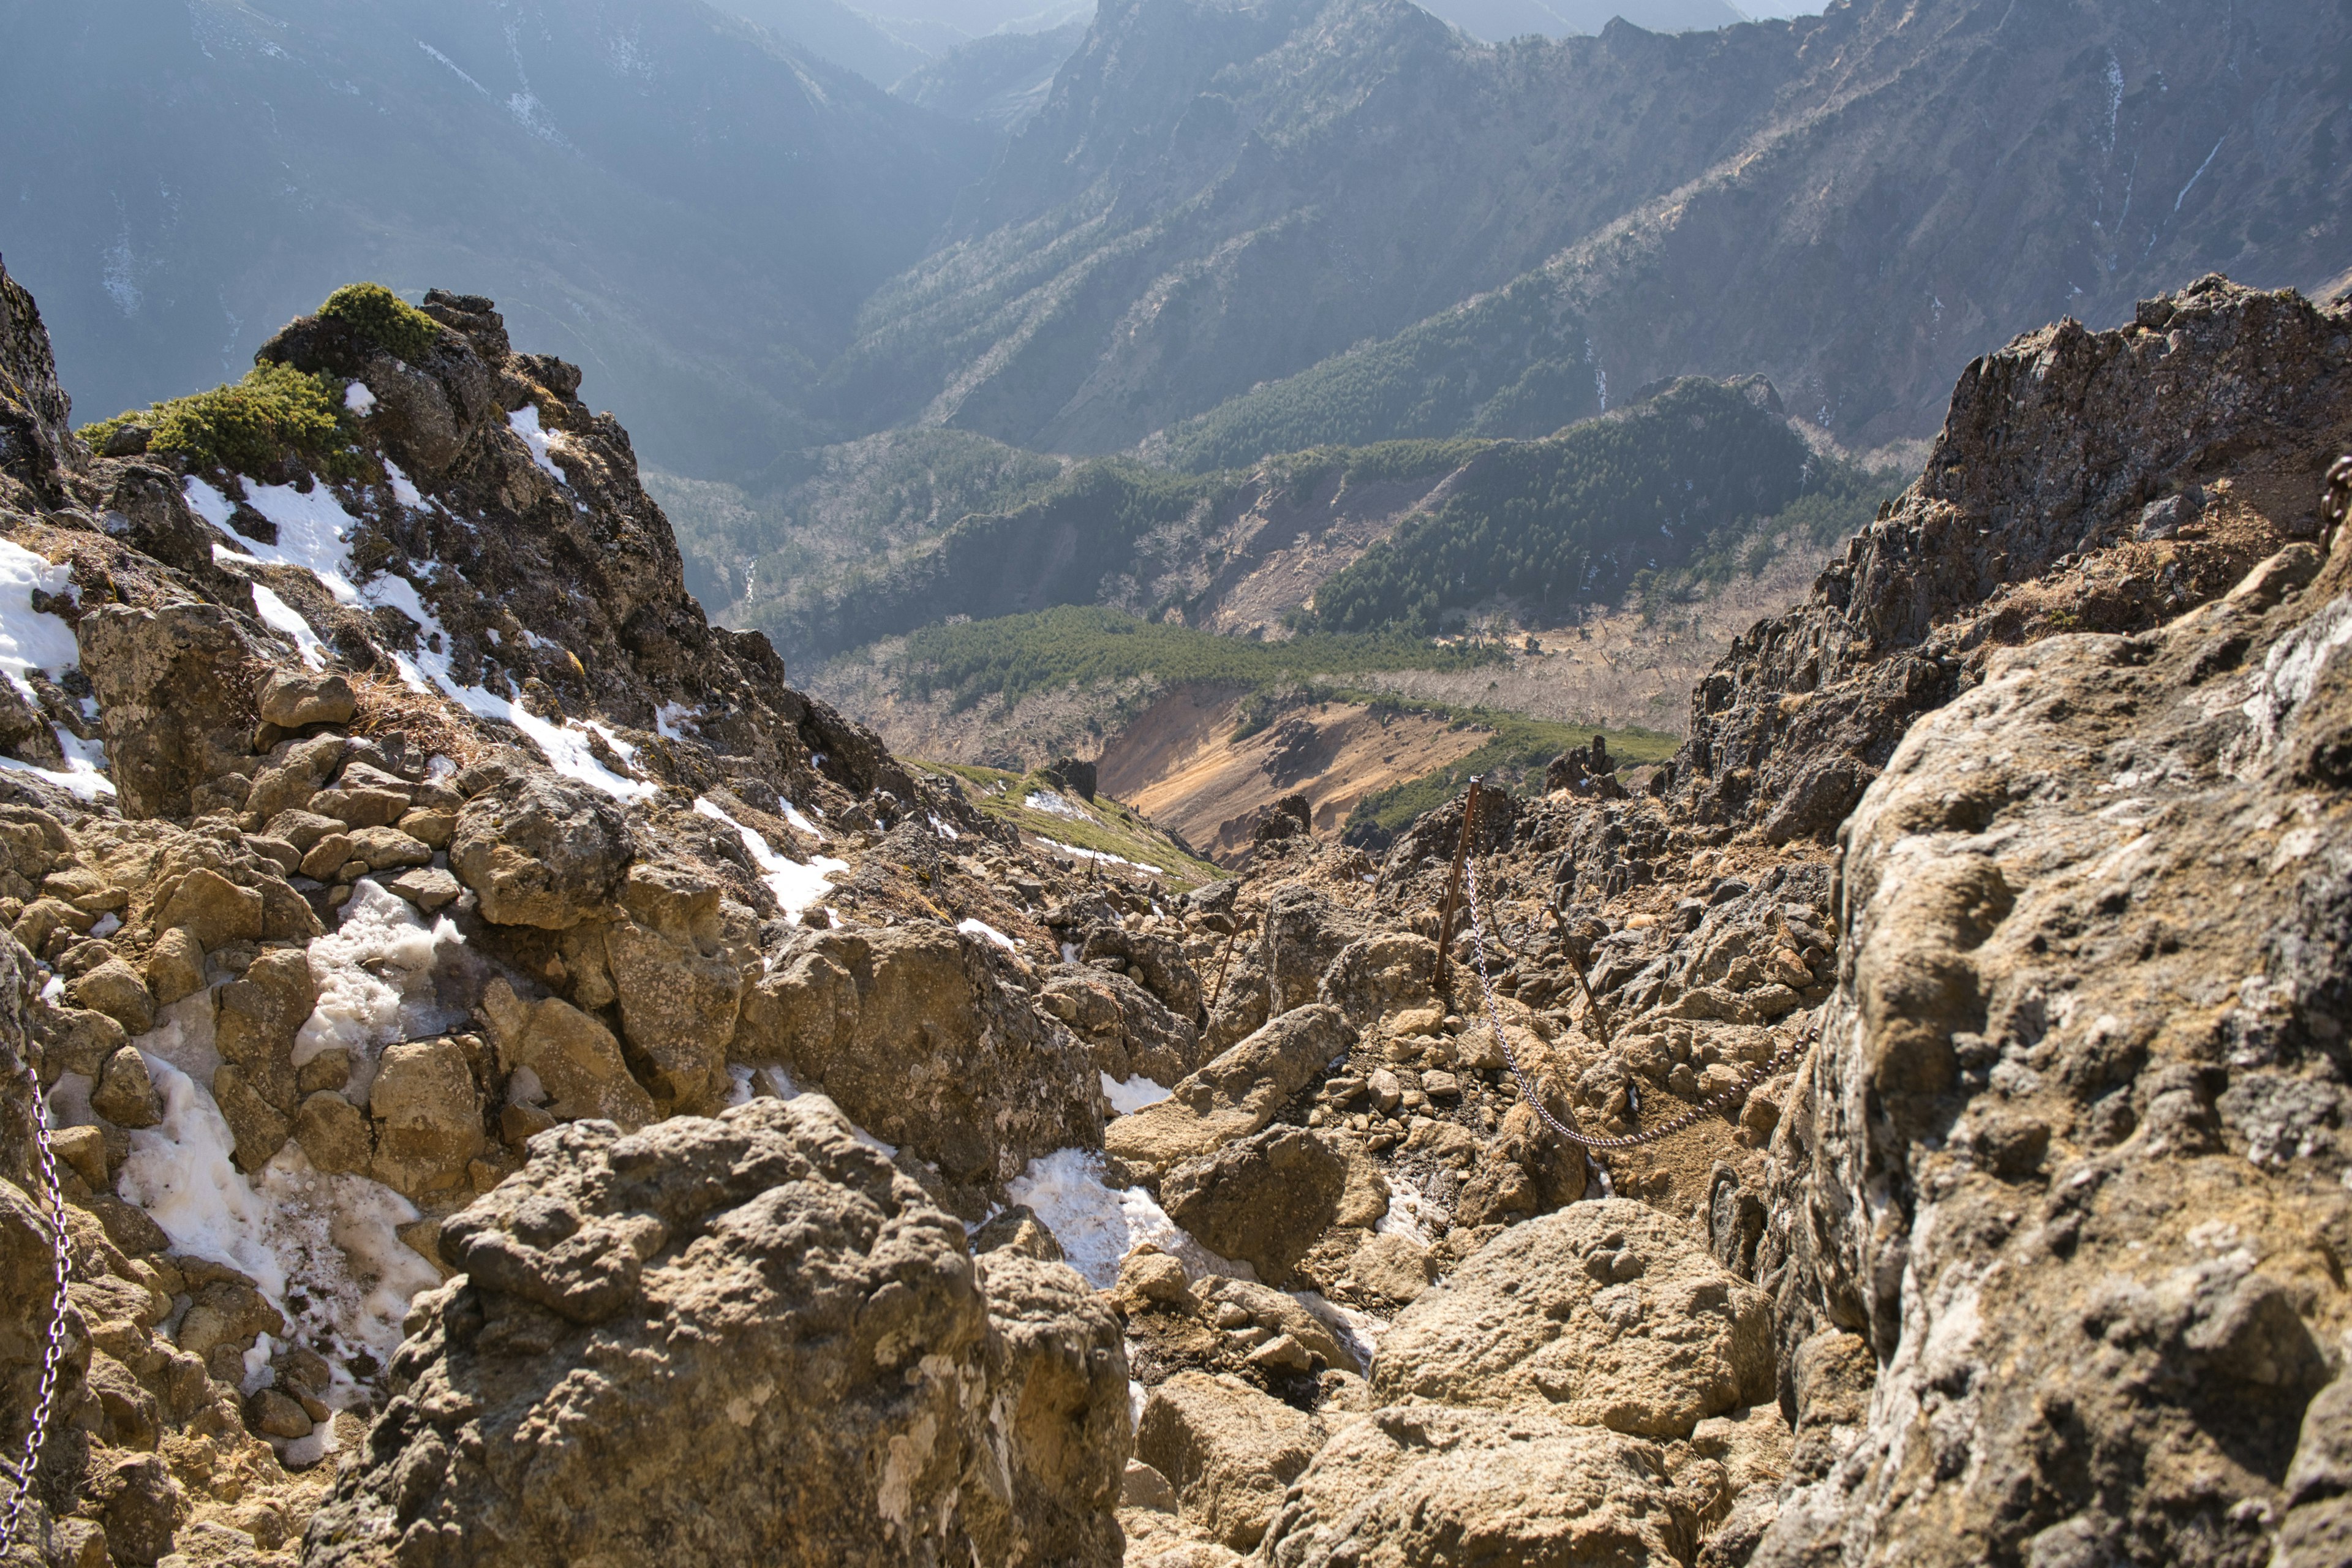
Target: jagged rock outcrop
[[2177, 450], [743, 1339], [2088, 1053]]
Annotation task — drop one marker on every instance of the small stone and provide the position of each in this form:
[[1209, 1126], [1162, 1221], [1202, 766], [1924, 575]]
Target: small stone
[[291, 700], [1020, 1230], [126, 1094], [361, 807], [519, 1124], [1154, 1276], [1393, 1267], [1386, 1089], [386, 847], [276, 1414], [1143, 1487], [279, 852], [431, 825], [327, 1069], [426, 887], [1281, 1354], [327, 857], [333, 1132], [1440, 1084], [303, 829], [84, 1149], [212, 910]]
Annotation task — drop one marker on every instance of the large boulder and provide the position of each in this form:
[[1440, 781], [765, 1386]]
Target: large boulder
[[1608, 1311], [1304, 932], [919, 1034], [1228, 1450], [1263, 1199], [173, 699], [1129, 1031], [539, 850], [742, 1340], [1234, 1095], [1419, 1487], [1060, 1368]]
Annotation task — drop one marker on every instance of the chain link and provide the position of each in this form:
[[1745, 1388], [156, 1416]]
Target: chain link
[[21, 1475], [1737, 1093]]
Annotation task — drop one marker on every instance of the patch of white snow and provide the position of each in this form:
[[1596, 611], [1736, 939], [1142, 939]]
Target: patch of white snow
[[1132, 1096]]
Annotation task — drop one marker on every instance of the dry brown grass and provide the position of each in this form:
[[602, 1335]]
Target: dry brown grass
[[387, 706]]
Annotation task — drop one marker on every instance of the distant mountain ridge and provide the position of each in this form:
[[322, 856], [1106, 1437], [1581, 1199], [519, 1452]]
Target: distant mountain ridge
[[1218, 200]]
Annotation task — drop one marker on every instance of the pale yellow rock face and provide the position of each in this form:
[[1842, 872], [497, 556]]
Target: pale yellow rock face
[[1418, 1486], [1606, 1312]]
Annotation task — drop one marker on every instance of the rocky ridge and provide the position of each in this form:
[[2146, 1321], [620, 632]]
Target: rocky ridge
[[485, 1012]]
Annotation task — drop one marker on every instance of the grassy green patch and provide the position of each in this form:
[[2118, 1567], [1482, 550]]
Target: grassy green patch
[[1082, 645], [249, 427], [1514, 758], [384, 318]]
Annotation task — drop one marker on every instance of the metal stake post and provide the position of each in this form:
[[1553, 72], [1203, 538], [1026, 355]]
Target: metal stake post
[[1442, 982]]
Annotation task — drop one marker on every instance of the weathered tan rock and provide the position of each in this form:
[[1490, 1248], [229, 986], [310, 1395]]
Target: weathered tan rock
[[333, 1132], [1608, 1311], [125, 1093], [1228, 1450], [1417, 1487], [1381, 977], [1394, 1268], [388, 847], [574, 1055], [115, 989], [1263, 1198], [539, 851], [257, 1018], [678, 999], [1276, 1311], [1304, 932], [1130, 1032], [427, 1114], [175, 966], [1017, 1229], [2084, 1090], [259, 1128], [1059, 1368], [171, 697], [1234, 1095], [212, 910], [292, 699], [914, 1033], [796, 1364]]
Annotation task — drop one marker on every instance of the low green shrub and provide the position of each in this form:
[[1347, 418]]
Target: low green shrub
[[248, 426], [384, 318]]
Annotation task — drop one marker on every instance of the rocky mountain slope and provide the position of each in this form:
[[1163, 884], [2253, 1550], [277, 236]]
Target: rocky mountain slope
[[525, 1085], [194, 174], [1213, 200]]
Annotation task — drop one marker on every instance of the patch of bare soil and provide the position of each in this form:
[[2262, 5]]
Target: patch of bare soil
[[1180, 765]]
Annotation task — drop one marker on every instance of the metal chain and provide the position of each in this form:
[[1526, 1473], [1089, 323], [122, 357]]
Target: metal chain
[[54, 1352], [1749, 1081]]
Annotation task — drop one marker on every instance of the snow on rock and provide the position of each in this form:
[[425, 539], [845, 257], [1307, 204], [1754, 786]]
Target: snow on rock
[[795, 886], [979, 928], [359, 399], [1099, 1224], [33, 639], [1054, 803], [1071, 849], [335, 1236], [524, 422], [1134, 1094], [282, 617], [376, 975]]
